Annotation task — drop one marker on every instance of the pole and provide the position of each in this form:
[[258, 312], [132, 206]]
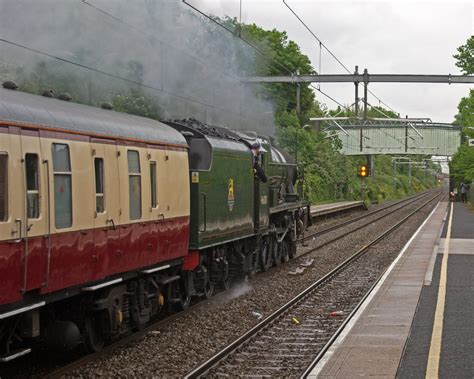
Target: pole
[[296, 144], [298, 111], [356, 85], [409, 173], [366, 84], [240, 20], [298, 98], [372, 165], [362, 190]]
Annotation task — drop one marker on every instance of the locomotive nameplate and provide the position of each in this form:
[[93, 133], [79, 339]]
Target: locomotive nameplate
[[230, 195]]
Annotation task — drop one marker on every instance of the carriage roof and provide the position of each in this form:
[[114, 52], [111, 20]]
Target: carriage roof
[[28, 109]]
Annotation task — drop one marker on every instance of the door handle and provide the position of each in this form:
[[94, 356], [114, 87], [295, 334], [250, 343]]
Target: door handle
[[18, 230], [111, 221]]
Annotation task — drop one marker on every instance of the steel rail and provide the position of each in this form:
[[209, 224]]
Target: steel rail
[[365, 215], [229, 349], [333, 338], [361, 226]]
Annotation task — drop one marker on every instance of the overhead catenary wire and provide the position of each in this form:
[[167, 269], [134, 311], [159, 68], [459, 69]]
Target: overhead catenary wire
[[154, 38], [321, 44], [281, 65]]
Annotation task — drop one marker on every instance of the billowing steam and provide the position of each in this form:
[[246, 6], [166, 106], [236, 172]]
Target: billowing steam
[[191, 67]]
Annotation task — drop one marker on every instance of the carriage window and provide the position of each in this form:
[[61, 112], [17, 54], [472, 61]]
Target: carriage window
[[3, 187], [134, 185], [99, 185], [154, 200], [62, 186], [32, 186]]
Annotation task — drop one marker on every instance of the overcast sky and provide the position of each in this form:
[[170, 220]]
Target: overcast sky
[[398, 36]]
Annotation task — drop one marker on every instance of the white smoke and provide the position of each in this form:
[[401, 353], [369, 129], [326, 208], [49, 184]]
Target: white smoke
[[192, 65]]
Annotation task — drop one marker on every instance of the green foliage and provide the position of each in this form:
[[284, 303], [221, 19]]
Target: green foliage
[[461, 166], [465, 57], [465, 116], [279, 56], [137, 103]]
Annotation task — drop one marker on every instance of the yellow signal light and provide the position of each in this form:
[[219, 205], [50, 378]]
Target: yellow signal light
[[363, 171]]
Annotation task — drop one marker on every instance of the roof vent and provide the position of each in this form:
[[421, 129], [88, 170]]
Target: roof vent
[[10, 85], [107, 106], [48, 93], [65, 96]]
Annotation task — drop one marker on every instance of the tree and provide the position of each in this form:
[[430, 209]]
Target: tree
[[462, 164], [465, 57]]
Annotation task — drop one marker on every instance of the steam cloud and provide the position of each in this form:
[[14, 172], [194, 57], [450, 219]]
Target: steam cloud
[[193, 66]]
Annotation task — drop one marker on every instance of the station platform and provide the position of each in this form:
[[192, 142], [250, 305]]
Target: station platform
[[338, 207], [419, 320]]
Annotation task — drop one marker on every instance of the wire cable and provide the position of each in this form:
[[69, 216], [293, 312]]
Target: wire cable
[[118, 77], [331, 53], [152, 37], [281, 65]]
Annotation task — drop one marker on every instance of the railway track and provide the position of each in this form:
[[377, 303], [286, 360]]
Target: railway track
[[317, 233], [286, 342], [368, 220], [76, 364]]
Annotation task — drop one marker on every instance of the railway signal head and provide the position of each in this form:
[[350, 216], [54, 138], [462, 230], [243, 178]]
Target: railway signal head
[[363, 171]]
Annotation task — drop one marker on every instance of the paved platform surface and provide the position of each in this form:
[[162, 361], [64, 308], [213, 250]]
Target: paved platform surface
[[456, 356], [323, 209], [374, 341], [420, 321]]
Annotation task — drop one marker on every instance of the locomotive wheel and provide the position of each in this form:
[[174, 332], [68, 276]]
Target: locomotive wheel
[[185, 301], [225, 280], [208, 285], [185, 298], [285, 253], [265, 256], [277, 252], [93, 336], [208, 289], [292, 249]]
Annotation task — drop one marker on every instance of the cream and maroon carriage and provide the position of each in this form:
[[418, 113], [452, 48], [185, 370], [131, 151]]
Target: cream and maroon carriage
[[94, 221]]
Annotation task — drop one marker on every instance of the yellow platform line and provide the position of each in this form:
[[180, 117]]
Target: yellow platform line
[[432, 368]]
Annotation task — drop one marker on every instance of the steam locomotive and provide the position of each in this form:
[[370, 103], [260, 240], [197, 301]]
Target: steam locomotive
[[109, 219]]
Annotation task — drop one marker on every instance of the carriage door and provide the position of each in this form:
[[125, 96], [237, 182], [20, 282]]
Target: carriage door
[[35, 214], [11, 218], [107, 253]]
